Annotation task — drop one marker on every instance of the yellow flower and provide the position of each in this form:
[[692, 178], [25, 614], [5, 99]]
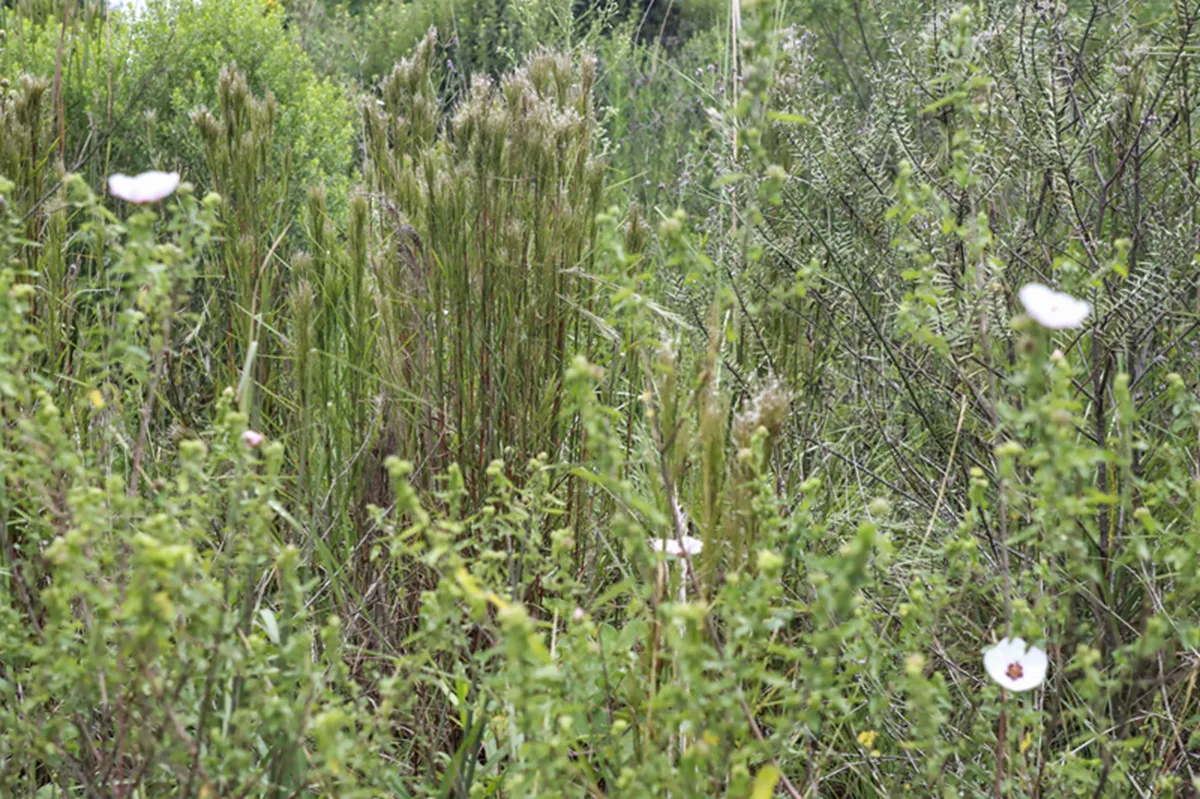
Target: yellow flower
[[97, 399], [1026, 742], [866, 738]]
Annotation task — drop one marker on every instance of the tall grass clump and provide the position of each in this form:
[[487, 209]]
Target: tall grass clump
[[238, 148], [487, 218]]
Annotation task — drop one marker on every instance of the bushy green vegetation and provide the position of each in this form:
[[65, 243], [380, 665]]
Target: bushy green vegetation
[[364, 40], [599, 399], [128, 90]]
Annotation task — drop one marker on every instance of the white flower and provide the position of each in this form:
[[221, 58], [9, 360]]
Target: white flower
[[1052, 309], [691, 545], [148, 187], [1015, 667], [252, 438]]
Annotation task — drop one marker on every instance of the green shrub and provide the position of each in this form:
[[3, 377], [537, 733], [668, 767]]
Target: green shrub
[[129, 86], [478, 37], [672, 23], [655, 110], [137, 651]]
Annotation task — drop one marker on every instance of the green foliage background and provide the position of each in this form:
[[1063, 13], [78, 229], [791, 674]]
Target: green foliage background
[[347, 469], [128, 90]]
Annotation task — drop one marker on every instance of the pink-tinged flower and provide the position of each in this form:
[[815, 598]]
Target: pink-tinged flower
[[1015, 667], [673, 548], [252, 439], [1052, 309], [148, 187]]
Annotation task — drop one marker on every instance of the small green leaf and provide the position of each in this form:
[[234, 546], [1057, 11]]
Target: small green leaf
[[936, 104], [790, 119], [270, 626], [764, 782]]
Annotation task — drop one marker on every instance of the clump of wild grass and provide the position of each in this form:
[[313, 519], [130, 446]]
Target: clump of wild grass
[[482, 219]]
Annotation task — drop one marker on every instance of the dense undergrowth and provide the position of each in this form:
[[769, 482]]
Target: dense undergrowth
[[599, 399]]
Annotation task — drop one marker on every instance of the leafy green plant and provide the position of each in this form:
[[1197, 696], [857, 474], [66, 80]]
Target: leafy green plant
[[125, 88], [154, 636], [366, 40]]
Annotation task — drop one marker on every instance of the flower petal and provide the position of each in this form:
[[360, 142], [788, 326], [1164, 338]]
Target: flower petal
[[148, 187], [996, 660], [672, 547], [1052, 309]]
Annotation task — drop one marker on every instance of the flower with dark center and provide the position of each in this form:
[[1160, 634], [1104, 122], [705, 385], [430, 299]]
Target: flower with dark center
[[1014, 666]]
